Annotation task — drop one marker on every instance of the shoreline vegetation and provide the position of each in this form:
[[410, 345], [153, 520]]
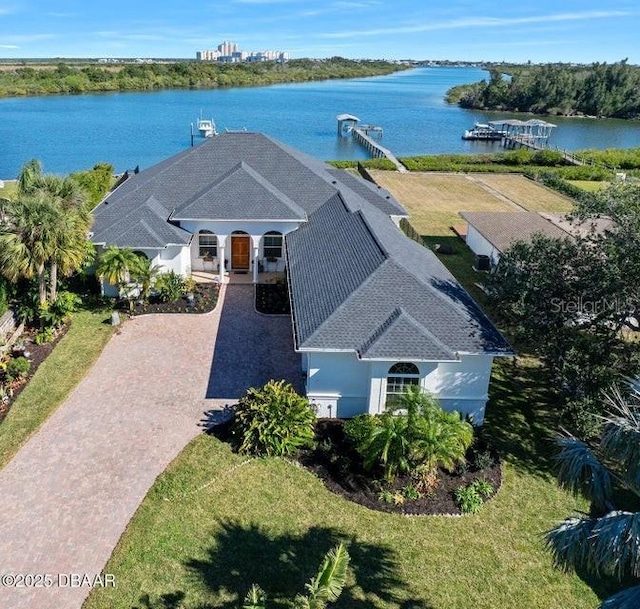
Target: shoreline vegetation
[[68, 78], [599, 90]]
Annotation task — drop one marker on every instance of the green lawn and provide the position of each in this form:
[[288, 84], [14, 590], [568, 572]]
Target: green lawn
[[9, 189], [215, 522], [54, 380], [589, 185]]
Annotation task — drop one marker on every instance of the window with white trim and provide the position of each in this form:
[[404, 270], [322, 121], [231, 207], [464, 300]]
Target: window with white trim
[[272, 245], [207, 244], [401, 376]]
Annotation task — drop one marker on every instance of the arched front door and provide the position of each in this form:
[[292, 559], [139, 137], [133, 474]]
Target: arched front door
[[240, 251]]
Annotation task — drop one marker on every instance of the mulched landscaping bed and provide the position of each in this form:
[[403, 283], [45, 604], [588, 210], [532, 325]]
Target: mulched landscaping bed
[[205, 300], [340, 469], [272, 299], [37, 355]]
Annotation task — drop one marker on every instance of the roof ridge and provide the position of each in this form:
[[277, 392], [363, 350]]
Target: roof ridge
[[396, 315]]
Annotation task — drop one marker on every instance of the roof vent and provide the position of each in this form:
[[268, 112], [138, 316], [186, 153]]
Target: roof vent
[[334, 181], [387, 197]]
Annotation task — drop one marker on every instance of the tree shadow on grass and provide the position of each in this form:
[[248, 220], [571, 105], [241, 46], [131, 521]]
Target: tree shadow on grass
[[242, 555], [520, 418]]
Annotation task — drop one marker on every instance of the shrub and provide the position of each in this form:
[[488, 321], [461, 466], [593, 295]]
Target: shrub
[[18, 368], [273, 420], [411, 493], [483, 460], [416, 431], [170, 286], [44, 336], [469, 497], [359, 428]]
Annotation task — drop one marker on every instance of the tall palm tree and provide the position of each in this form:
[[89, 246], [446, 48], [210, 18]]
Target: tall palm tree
[[609, 541], [27, 239], [71, 233], [117, 265]]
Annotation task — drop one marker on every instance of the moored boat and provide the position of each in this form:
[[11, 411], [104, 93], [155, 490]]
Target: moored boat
[[482, 131], [206, 127]]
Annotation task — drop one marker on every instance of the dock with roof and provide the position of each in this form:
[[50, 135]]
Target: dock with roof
[[348, 124]]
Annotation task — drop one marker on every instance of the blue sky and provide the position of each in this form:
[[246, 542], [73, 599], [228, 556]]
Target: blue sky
[[545, 30]]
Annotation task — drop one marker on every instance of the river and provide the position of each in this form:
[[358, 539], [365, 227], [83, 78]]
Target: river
[[70, 133]]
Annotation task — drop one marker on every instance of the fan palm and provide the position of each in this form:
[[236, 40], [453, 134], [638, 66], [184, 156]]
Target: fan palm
[[28, 239], [610, 542], [70, 234], [145, 274], [117, 264]]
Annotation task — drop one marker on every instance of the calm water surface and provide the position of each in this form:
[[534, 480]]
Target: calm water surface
[[68, 133]]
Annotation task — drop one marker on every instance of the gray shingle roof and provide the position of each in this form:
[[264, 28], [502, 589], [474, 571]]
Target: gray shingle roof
[[240, 194], [356, 282], [346, 294], [503, 228]]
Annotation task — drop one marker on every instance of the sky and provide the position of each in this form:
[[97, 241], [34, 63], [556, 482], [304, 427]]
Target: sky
[[467, 30]]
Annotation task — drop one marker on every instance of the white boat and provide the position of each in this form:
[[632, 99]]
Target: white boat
[[481, 131], [206, 127]]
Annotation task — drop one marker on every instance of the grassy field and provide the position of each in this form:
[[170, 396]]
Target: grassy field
[[215, 522], [526, 193], [434, 199], [56, 377]]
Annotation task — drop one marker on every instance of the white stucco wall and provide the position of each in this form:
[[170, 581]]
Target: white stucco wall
[[479, 245], [338, 383], [341, 385]]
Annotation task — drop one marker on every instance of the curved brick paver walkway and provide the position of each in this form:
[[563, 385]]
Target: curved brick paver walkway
[[67, 496]]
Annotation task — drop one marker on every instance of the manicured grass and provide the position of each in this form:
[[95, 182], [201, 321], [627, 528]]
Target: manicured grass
[[215, 522], [526, 193], [56, 377], [434, 199]]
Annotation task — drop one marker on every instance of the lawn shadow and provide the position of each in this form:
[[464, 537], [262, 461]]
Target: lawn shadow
[[244, 554], [520, 418]]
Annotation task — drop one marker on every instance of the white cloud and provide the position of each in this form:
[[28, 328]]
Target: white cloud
[[477, 22]]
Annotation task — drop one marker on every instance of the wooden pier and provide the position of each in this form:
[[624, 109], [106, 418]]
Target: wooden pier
[[349, 124]]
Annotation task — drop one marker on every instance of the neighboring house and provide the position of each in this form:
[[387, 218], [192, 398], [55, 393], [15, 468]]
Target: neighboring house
[[372, 311], [490, 233]]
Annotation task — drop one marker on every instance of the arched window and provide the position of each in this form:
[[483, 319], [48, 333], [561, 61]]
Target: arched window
[[272, 246], [401, 376], [207, 244]]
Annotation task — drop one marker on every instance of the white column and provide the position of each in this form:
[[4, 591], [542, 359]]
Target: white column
[[255, 242], [221, 254]]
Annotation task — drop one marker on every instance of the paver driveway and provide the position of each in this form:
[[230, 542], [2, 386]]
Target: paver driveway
[[68, 494]]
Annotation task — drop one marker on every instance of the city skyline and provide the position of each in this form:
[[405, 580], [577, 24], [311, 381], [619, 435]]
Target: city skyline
[[457, 30]]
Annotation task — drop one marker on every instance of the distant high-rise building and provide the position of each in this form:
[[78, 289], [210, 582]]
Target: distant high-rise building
[[230, 52]]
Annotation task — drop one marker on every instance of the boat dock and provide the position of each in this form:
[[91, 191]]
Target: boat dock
[[350, 125]]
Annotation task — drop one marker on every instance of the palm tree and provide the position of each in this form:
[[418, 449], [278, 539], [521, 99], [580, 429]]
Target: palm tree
[[117, 265], [609, 542], [324, 588], [27, 239], [70, 234], [145, 274]]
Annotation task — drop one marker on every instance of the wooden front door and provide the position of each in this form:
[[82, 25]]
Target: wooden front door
[[240, 249]]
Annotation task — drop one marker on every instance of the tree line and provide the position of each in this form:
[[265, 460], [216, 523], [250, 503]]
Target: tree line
[[600, 89], [65, 78]]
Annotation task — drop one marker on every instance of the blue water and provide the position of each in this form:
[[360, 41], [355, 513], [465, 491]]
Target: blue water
[[69, 133]]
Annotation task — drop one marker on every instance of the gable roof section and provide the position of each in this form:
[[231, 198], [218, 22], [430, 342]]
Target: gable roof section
[[378, 293], [240, 194], [402, 337], [503, 228], [142, 226]]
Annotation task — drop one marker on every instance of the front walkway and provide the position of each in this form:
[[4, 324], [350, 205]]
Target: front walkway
[[68, 494]]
